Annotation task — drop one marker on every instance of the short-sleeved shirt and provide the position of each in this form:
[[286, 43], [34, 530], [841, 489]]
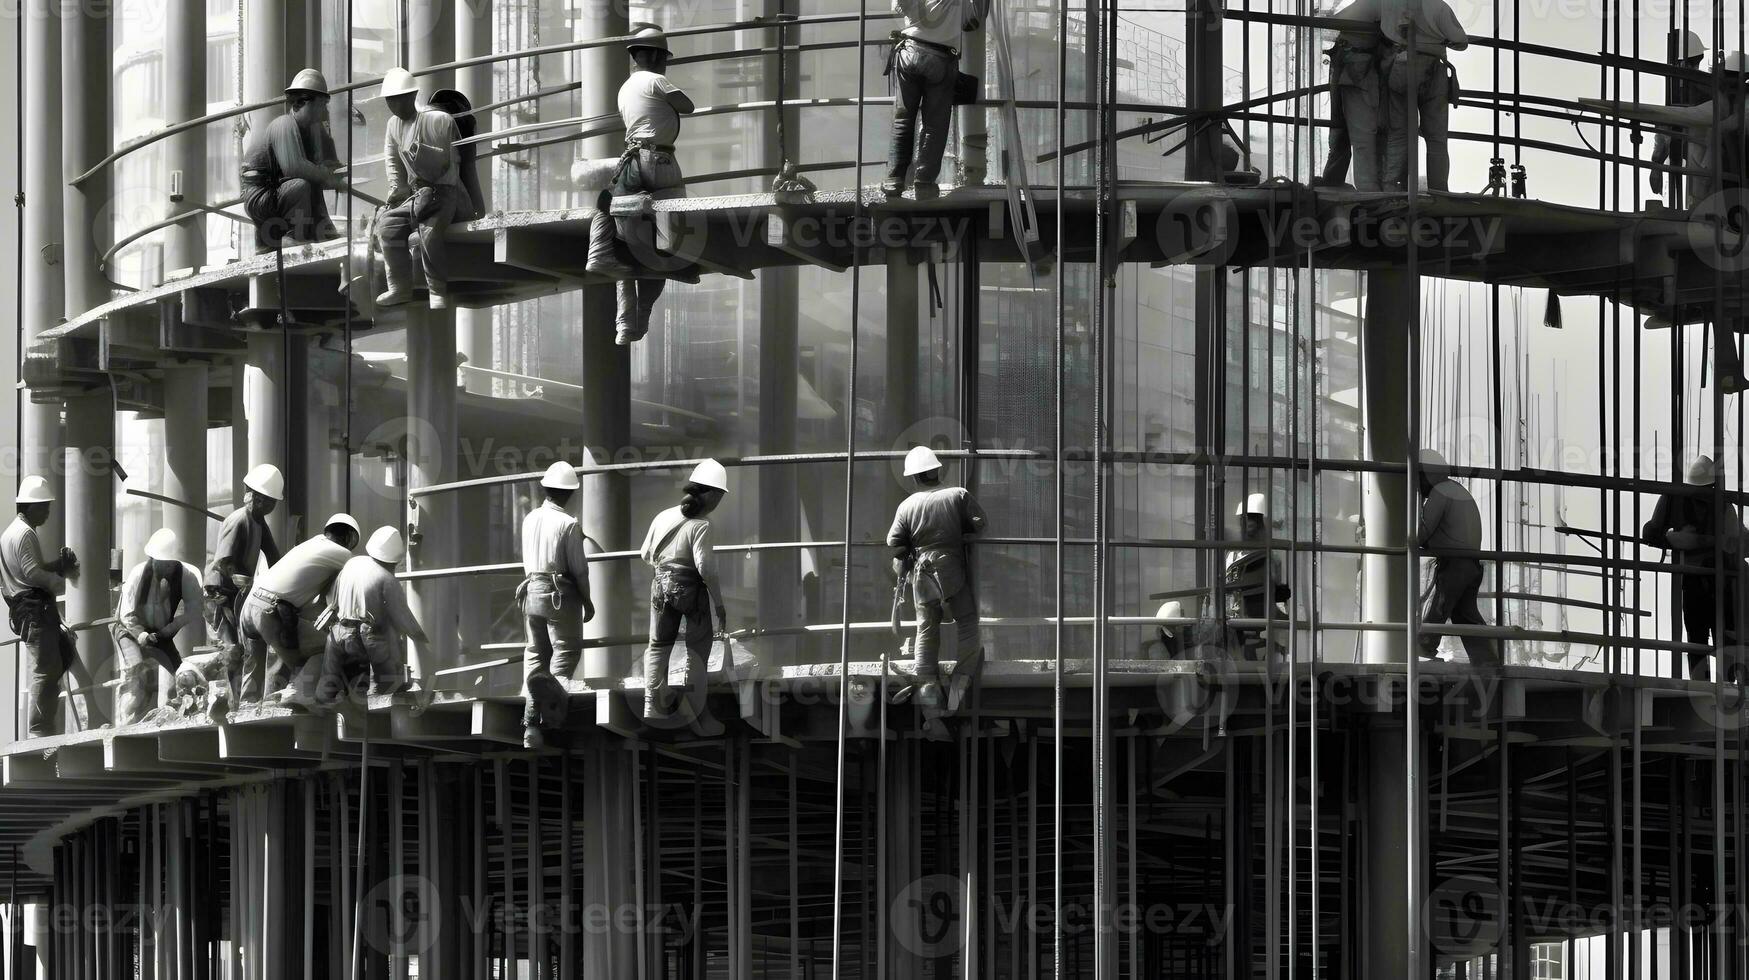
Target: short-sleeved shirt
[[689, 545], [243, 538], [155, 614], [21, 560], [305, 571], [552, 543], [411, 148], [644, 108], [936, 519], [365, 590], [282, 150], [935, 21]]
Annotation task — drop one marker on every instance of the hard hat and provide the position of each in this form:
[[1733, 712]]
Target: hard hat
[[1733, 63], [266, 480], [308, 80], [1170, 609], [1702, 472], [648, 36], [1256, 503], [561, 476], [161, 546], [386, 545], [399, 81], [710, 473], [34, 490], [1433, 464], [921, 459], [344, 520], [1691, 46]]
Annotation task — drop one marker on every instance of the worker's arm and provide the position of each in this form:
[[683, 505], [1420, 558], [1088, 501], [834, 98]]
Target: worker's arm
[[705, 562], [193, 605], [677, 100], [31, 568], [400, 188], [399, 614], [269, 547], [288, 153], [1432, 513], [899, 543], [1652, 533], [972, 517], [1456, 38], [575, 559], [127, 612]]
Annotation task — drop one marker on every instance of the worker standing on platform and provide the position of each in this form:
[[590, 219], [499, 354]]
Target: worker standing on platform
[[929, 550], [1450, 521], [278, 617], [159, 597], [1255, 582], [1434, 30], [372, 621], [1689, 526], [1672, 149], [1356, 88], [925, 68], [425, 192], [678, 547], [555, 602], [650, 106], [31, 585], [288, 164], [244, 538]]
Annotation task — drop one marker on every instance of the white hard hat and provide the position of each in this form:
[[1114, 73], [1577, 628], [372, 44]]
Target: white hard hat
[[561, 476], [1256, 503], [386, 545], [1170, 609], [308, 80], [1691, 46], [267, 480], [399, 81], [161, 546], [648, 36], [921, 459], [344, 520], [1433, 464], [710, 473], [1702, 472], [34, 490]]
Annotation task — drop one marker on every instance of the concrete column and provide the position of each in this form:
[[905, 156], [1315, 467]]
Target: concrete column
[[185, 154], [40, 437], [185, 417], [1388, 850], [89, 506], [264, 408], [431, 459], [39, 934], [1384, 343], [974, 127], [473, 38], [609, 798], [265, 73]]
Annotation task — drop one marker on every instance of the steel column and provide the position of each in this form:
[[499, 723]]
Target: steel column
[[264, 411], [185, 155], [1389, 850], [473, 38], [1390, 299], [185, 434], [431, 458], [40, 437]]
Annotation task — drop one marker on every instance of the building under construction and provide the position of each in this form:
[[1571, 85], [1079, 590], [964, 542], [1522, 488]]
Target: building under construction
[[1130, 312]]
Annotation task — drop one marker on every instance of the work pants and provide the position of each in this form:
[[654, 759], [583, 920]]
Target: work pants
[[1451, 598], [1354, 119], [137, 693], [283, 643], [656, 173], [665, 620], [1700, 613], [359, 657], [923, 77], [554, 626], [1433, 116], [419, 226], [52, 659], [292, 212], [245, 658]]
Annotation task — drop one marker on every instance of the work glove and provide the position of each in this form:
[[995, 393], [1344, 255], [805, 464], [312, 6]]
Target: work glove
[[146, 639], [1656, 179], [588, 610]]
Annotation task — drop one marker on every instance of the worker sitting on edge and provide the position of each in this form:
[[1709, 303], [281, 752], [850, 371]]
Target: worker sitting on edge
[[1672, 150], [1692, 526], [1356, 90], [685, 587], [278, 617], [650, 106], [286, 166], [1434, 30], [425, 192], [1450, 521], [925, 68], [554, 596], [929, 549], [244, 538], [1255, 582], [30, 585], [159, 597], [372, 622]]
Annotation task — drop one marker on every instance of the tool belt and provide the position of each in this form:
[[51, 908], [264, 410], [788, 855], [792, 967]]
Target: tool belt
[[938, 574], [1397, 53], [557, 581], [284, 612], [679, 585], [348, 623], [28, 610]]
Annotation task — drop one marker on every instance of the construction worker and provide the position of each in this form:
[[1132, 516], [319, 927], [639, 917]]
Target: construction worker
[[372, 621], [925, 67], [244, 538], [1451, 522], [1698, 534], [31, 585], [677, 546], [1255, 582], [425, 192], [555, 602], [1672, 150], [650, 106], [1434, 30], [278, 616], [288, 164], [928, 545], [1356, 86], [159, 597]]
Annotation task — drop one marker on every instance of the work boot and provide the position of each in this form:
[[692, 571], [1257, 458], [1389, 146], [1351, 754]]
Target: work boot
[[552, 702], [965, 674], [397, 276], [893, 187], [604, 258], [395, 295], [925, 191], [657, 707]]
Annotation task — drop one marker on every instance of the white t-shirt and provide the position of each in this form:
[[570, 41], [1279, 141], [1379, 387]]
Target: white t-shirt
[[644, 108]]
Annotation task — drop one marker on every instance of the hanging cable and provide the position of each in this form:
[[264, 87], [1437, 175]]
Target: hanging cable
[[1058, 371]]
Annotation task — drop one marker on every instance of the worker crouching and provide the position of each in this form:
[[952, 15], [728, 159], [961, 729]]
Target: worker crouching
[[31, 584], [554, 596], [278, 617], [929, 550], [288, 164], [159, 598], [684, 589], [371, 623], [244, 538], [426, 193]]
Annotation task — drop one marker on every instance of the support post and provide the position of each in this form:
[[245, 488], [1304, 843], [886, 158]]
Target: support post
[[1388, 850], [1390, 297], [40, 435], [473, 38], [974, 128], [185, 418], [185, 156], [264, 412], [610, 793]]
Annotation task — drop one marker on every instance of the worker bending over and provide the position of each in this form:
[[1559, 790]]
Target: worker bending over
[[925, 69], [1436, 32], [554, 596], [372, 622], [929, 550], [425, 192], [1698, 532], [650, 106], [286, 166], [31, 586], [1255, 582], [684, 588], [1356, 99], [159, 597], [244, 538], [278, 617], [1451, 522]]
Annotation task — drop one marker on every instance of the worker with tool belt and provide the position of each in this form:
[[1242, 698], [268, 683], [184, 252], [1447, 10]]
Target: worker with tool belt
[[555, 603], [684, 588], [426, 194], [287, 164], [1435, 31], [1255, 583], [1693, 528], [244, 538], [159, 597], [1356, 85], [924, 66], [370, 623], [30, 585], [279, 613], [1451, 522], [928, 544]]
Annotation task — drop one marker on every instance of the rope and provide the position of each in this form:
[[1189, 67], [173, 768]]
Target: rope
[[1058, 371]]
